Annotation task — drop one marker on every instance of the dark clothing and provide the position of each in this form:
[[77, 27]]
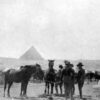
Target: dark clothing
[[58, 82], [59, 74], [80, 80], [58, 78], [68, 79], [81, 75], [68, 72]]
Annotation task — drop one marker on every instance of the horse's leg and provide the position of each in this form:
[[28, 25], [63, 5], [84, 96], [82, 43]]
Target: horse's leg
[[45, 87], [5, 84], [48, 87], [52, 85], [25, 90], [9, 86], [21, 92]]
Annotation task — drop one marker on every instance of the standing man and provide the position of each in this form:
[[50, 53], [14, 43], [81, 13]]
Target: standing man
[[80, 78], [67, 75], [58, 82]]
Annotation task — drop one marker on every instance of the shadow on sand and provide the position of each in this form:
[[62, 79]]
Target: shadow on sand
[[85, 97], [25, 98], [55, 97]]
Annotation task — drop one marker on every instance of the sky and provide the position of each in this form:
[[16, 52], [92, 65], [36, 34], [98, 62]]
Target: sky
[[60, 29]]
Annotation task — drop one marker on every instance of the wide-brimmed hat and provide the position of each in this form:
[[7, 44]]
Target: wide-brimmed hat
[[71, 65], [80, 64], [60, 66], [66, 62]]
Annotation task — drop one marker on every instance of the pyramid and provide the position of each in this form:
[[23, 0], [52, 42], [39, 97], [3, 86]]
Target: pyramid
[[31, 54]]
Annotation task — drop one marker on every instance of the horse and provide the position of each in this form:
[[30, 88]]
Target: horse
[[21, 75], [49, 78], [89, 76], [97, 76]]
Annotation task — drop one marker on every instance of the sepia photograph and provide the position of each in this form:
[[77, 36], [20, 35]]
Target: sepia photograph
[[49, 50]]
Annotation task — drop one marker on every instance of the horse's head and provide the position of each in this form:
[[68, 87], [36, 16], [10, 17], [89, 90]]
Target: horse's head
[[30, 70], [51, 63]]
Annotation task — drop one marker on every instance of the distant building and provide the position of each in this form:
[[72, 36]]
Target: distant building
[[31, 54]]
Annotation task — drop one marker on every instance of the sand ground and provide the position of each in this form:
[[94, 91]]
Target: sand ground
[[36, 92]]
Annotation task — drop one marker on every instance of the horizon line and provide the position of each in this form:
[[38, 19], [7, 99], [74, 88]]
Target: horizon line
[[48, 58]]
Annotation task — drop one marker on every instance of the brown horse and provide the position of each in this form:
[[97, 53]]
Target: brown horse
[[21, 75]]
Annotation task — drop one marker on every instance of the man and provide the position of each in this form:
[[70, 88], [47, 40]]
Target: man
[[60, 68], [58, 82], [80, 78], [67, 76]]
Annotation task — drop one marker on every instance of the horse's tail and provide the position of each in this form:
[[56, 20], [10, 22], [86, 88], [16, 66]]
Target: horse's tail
[[5, 73], [5, 79]]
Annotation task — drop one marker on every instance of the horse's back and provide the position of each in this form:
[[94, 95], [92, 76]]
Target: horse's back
[[13, 75]]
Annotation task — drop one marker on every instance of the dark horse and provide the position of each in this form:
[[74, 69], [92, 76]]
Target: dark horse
[[97, 76], [21, 75], [49, 77], [90, 76]]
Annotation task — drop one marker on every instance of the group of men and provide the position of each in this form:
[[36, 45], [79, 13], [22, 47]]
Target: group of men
[[68, 78]]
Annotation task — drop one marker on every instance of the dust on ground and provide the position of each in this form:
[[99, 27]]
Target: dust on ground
[[35, 91]]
